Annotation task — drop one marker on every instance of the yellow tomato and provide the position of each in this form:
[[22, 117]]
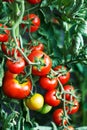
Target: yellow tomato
[[35, 102]]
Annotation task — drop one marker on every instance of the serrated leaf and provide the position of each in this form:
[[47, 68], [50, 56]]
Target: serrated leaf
[[82, 28]]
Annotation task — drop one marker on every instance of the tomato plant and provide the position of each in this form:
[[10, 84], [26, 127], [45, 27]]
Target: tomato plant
[[35, 102], [49, 38], [14, 88]]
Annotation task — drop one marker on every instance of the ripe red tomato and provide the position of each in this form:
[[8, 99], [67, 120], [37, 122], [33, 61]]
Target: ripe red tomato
[[48, 83], [51, 98], [58, 117], [34, 21], [17, 66], [45, 63], [13, 88], [64, 74], [69, 128], [71, 109], [34, 1], [4, 35], [69, 88], [9, 48], [36, 46]]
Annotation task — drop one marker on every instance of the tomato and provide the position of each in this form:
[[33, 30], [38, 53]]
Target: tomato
[[4, 35], [34, 1], [48, 83], [58, 117], [69, 88], [43, 63], [34, 21], [13, 88], [71, 109], [35, 102], [51, 98], [45, 109], [63, 74], [69, 128], [17, 66], [9, 48], [36, 46]]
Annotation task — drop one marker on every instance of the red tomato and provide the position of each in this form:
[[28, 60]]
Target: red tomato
[[58, 117], [45, 63], [15, 89], [17, 66], [69, 128], [34, 1], [4, 35], [9, 48], [71, 109], [69, 88], [64, 76], [48, 83], [51, 98], [36, 46], [34, 22]]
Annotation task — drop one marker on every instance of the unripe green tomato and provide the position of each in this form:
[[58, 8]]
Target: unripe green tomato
[[45, 109]]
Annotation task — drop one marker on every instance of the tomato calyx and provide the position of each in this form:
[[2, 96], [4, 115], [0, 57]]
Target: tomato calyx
[[21, 78], [40, 62]]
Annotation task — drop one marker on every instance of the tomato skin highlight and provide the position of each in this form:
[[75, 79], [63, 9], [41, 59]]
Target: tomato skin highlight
[[58, 117], [16, 67], [13, 89], [47, 83], [34, 1], [35, 102], [35, 22], [51, 99], [44, 69], [63, 78], [5, 36]]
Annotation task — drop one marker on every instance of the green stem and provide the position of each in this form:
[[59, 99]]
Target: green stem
[[17, 23]]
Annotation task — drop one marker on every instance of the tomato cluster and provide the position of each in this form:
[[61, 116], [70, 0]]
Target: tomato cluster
[[54, 81]]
